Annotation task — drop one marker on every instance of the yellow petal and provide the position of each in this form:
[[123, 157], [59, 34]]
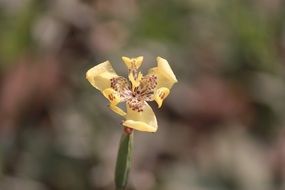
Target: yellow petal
[[133, 61], [160, 95], [142, 121], [117, 110], [112, 96], [164, 73], [100, 75]]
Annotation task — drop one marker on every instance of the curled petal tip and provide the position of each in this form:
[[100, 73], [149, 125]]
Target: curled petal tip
[[99, 76], [138, 61], [164, 67], [159, 105], [130, 62], [127, 61], [142, 121], [125, 58], [158, 58], [140, 126]]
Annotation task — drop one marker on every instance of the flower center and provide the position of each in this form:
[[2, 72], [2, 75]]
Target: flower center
[[135, 97]]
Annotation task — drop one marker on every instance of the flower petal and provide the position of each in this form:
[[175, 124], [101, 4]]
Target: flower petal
[[146, 88], [166, 79], [142, 121], [100, 75], [117, 110], [112, 95], [160, 95], [114, 98], [130, 62], [163, 71], [122, 86]]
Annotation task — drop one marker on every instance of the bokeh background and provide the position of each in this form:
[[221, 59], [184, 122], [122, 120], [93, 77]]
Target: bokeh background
[[221, 128]]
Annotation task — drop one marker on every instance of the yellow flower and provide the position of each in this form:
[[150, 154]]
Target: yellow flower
[[136, 91]]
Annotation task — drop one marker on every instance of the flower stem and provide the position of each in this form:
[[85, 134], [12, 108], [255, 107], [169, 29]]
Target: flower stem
[[124, 160]]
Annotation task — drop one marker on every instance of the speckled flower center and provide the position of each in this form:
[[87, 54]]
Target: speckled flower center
[[135, 97]]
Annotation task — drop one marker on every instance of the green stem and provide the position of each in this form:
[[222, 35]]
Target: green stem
[[123, 163]]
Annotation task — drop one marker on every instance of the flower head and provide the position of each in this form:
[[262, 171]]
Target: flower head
[[136, 91]]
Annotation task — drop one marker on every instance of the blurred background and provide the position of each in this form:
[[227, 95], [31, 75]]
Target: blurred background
[[221, 128]]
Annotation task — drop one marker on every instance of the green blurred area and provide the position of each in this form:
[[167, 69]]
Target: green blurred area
[[222, 126]]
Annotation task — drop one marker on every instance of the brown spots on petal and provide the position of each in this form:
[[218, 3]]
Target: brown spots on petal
[[122, 86], [111, 97], [147, 86], [135, 104], [162, 95], [135, 99]]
